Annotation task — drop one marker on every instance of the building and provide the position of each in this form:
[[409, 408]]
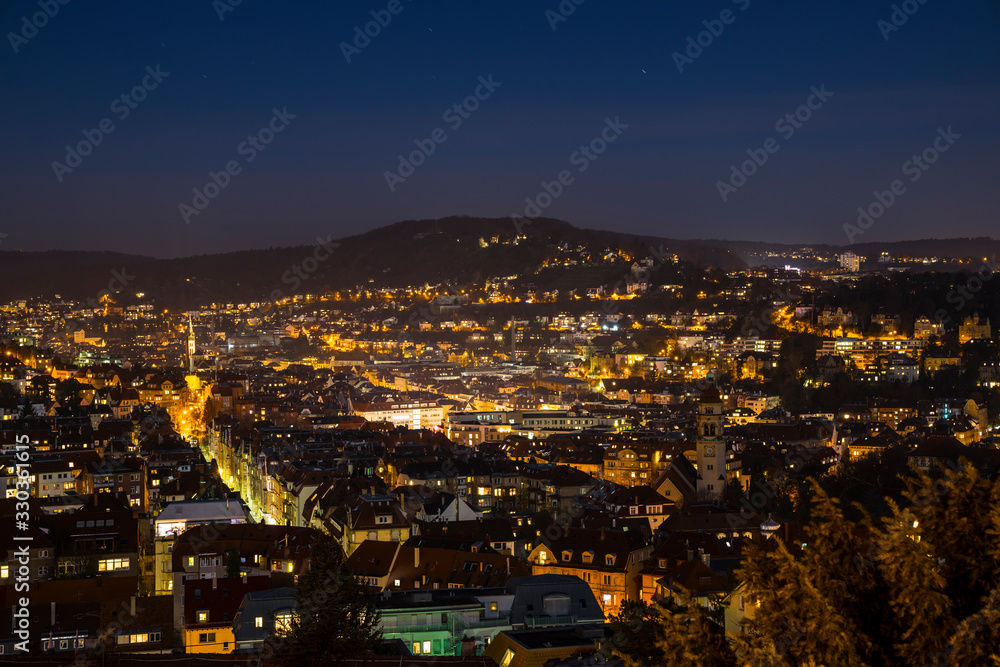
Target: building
[[851, 262], [110, 475], [710, 445], [176, 518], [974, 328], [924, 328], [609, 561], [631, 463], [210, 608], [261, 615], [366, 517], [413, 415]]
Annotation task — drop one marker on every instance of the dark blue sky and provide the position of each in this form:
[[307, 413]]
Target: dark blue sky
[[325, 172]]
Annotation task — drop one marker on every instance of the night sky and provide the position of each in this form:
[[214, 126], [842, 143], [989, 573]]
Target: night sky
[[324, 173]]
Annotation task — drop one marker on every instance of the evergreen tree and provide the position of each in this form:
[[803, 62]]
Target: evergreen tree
[[636, 633], [679, 633], [233, 563], [919, 586], [335, 616]]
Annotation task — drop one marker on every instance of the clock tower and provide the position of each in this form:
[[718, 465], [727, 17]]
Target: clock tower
[[711, 445]]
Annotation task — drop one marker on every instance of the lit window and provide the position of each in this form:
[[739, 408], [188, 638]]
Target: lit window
[[282, 623], [427, 647], [258, 622]]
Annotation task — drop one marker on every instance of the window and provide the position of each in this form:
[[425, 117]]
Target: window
[[427, 647], [508, 656], [203, 616], [282, 622], [416, 648], [556, 605], [112, 564], [258, 622], [206, 638], [493, 606]]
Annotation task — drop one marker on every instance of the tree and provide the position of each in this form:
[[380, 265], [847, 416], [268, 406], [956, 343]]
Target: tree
[[233, 563], [209, 413], [919, 586], [635, 631], [335, 616], [681, 630]]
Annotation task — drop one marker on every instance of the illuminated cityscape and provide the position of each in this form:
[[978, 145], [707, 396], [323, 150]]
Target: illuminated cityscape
[[499, 334]]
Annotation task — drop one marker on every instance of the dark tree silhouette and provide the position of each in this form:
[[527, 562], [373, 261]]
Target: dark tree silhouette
[[335, 616]]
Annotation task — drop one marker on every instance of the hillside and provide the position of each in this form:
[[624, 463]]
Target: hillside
[[458, 250]]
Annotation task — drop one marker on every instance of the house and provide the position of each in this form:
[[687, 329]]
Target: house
[[974, 328], [677, 483], [211, 551], [262, 614], [631, 463], [210, 608], [639, 502], [176, 518], [391, 566], [366, 517], [109, 475], [527, 648], [608, 560]]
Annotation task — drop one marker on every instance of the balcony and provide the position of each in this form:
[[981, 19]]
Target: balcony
[[546, 621], [404, 629]]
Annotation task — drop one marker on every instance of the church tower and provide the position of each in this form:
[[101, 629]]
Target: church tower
[[191, 349], [711, 445]]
